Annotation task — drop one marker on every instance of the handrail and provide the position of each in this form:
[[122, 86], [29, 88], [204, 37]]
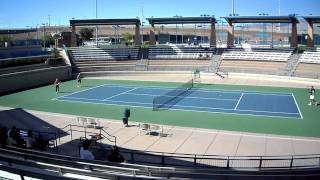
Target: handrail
[[61, 161], [37, 161], [102, 132], [197, 160]]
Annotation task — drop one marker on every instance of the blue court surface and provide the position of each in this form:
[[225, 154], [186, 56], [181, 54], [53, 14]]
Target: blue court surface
[[197, 99]]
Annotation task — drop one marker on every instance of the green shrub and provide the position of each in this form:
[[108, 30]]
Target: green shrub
[[22, 61], [54, 61]]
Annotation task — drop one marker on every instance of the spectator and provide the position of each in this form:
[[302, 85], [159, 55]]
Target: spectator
[[3, 137], [115, 156], [84, 150], [41, 143], [29, 140], [17, 137], [11, 137]]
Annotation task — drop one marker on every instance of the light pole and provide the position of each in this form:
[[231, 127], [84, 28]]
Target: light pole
[[182, 34], [28, 34], [271, 35], [176, 16], [264, 28], [232, 1], [97, 43], [44, 35], [142, 26]]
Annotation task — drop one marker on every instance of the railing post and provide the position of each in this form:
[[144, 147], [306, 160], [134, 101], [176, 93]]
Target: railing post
[[59, 136], [260, 162], [195, 161], [162, 159], [228, 162], [134, 174], [71, 131], [291, 163], [132, 156]]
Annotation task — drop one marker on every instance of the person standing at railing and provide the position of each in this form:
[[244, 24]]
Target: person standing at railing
[[30, 141], [115, 156], [84, 150]]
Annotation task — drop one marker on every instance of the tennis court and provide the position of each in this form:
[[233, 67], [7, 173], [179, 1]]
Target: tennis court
[[273, 104]]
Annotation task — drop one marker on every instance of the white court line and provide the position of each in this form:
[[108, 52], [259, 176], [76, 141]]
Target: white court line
[[297, 105], [120, 94], [201, 89], [195, 107], [185, 97], [80, 98], [195, 90], [238, 102], [78, 91], [215, 112], [192, 90]]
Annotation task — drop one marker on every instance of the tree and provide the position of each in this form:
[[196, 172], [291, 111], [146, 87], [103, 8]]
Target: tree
[[49, 40], [128, 37], [86, 33], [3, 39]]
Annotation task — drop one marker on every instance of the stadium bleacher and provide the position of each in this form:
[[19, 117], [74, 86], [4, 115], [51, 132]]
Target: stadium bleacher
[[310, 56], [46, 165], [93, 53], [179, 52], [22, 52], [261, 54]]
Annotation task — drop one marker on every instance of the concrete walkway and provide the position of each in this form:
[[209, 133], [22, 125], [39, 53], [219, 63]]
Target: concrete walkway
[[186, 140]]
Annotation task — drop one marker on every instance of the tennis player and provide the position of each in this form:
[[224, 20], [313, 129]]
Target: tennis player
[[312, 93], [79, 80], [57, 85]]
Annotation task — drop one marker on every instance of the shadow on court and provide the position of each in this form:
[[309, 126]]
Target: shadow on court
[[24, 120]]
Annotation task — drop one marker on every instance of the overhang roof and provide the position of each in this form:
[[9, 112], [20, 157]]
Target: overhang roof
[[17, 31], [260, 19], [181, 20], [91, 22], [313, 19]]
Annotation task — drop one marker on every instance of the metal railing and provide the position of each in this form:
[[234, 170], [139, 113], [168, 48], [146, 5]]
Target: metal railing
[[205, 161], [87, 131], [234, 162]]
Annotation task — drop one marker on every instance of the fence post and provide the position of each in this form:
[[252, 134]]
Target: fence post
[[59, 136], [132, 156], [291, 163], [260, 162], [228, 162], [162, 159], [195, 161], [71, 131]]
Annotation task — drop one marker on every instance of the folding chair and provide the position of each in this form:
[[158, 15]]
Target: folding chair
[[157, 129], [144, 128]]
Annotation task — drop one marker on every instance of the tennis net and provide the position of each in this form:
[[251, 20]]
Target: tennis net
[[167, 100]]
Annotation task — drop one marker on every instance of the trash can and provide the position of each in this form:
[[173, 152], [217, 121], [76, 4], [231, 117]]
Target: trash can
[[125, 121], [126, 116]]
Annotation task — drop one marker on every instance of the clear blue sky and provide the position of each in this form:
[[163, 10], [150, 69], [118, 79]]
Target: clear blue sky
[[22, 13]]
